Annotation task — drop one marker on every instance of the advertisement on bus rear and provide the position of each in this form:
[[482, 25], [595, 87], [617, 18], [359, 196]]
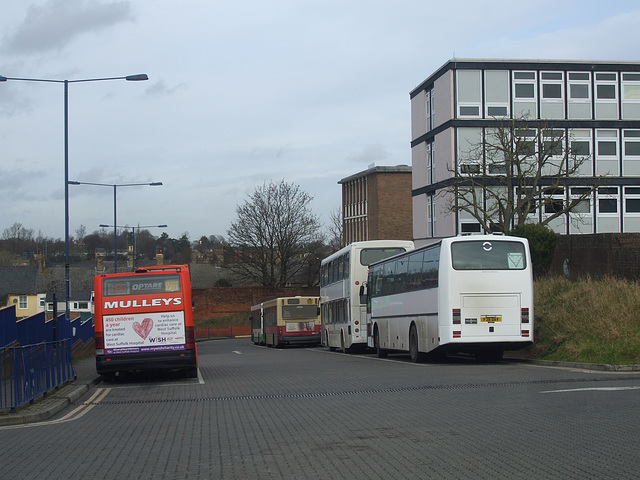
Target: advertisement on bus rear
[[144, 332]]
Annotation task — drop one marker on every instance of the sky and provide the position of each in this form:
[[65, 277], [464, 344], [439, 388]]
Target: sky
[[241, 93]]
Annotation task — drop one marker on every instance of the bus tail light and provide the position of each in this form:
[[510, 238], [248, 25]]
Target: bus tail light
[[457, 334], [525, 333], [456, 316], [190, 337], [99, 342], [524, 315]]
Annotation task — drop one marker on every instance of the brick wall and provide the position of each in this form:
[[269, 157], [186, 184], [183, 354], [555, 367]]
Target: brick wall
[[597, 255], [390, 209], [222, 301]]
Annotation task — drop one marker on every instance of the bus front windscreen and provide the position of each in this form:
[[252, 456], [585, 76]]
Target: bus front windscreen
[[488, 255]]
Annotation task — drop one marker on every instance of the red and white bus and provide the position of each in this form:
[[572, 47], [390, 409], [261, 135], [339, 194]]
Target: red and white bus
[[144, 321], [290, 321]]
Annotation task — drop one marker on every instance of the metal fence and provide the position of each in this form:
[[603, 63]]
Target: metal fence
[[30, 371]]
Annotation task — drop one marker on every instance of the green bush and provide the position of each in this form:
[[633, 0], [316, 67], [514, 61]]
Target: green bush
[[542, 242]]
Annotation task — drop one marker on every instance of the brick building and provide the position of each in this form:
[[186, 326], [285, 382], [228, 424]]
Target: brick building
[[376, 204]]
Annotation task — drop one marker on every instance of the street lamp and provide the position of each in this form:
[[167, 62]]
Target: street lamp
[[129, 78], [134, 235], [115, 220]]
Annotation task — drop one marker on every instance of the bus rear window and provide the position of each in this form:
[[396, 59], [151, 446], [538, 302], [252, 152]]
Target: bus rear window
[[488, 255], [141, 285], [299, 311], [372, 255]]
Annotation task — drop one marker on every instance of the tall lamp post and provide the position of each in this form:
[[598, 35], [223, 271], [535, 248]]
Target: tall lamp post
[[115, 219], [129, 78], [134, 235]]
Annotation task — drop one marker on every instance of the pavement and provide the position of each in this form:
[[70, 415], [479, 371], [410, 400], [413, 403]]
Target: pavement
[[87, 378], [57, 400]]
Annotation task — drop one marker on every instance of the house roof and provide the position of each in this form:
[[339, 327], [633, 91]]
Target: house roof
[[18, 281], [77, 296]]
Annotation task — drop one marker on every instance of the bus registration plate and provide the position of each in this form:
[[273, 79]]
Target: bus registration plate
[[491, 318]]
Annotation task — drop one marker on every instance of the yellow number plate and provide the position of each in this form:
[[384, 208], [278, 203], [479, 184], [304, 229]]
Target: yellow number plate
[[491, 319]]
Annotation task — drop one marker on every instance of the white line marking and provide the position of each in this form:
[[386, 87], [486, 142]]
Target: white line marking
[[74, 414], [594, 389]]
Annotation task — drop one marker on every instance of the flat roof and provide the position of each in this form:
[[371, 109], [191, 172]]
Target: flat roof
[[377, 169], [529, 64]]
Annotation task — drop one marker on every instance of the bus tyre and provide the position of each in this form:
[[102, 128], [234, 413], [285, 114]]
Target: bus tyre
[[381, 353], [415, 355]]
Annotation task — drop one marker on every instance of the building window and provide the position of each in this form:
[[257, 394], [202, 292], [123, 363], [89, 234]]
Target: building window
[[431, 174], [606, 86], [607, 161], [580, 151], [607, 200], [496, 92], [469, 86], [631, 153], [631, 96], [554, 201], [22, 302], [552, 95], [427, 109], [524, 94], [431, 216], [632, 200], [579, 103], [469, 150], [607, 210]]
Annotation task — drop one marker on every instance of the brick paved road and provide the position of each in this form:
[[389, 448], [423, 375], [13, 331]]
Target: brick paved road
[[307, 413]]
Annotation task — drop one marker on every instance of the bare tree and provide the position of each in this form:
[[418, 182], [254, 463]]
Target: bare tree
[[517, 169], [271, 234], [81, 233], [336, 235]]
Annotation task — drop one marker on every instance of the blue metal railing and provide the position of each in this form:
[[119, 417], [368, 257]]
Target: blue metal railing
[[30, 371]]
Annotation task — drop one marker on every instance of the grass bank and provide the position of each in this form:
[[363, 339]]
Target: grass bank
[[591, 321]]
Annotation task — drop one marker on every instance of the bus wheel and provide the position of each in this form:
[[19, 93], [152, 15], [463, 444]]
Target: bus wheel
[[381, 353], [415, 355]]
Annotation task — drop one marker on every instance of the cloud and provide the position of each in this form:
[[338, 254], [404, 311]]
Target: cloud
[[370, 154], [53, 25], [161, 88]]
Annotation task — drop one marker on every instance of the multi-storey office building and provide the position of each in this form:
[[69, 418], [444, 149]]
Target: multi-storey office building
[[595, 104], [376, 204]]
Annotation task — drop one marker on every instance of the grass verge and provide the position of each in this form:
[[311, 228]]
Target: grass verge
[[589, 321]]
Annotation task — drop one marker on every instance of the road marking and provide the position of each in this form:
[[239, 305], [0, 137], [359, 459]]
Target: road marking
[[74, 414], [593, 389], [237, 352]]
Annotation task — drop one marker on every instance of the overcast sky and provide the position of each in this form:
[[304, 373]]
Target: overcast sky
[[241, 93]]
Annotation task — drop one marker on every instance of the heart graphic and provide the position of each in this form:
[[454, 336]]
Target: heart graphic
[[143, 329]]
